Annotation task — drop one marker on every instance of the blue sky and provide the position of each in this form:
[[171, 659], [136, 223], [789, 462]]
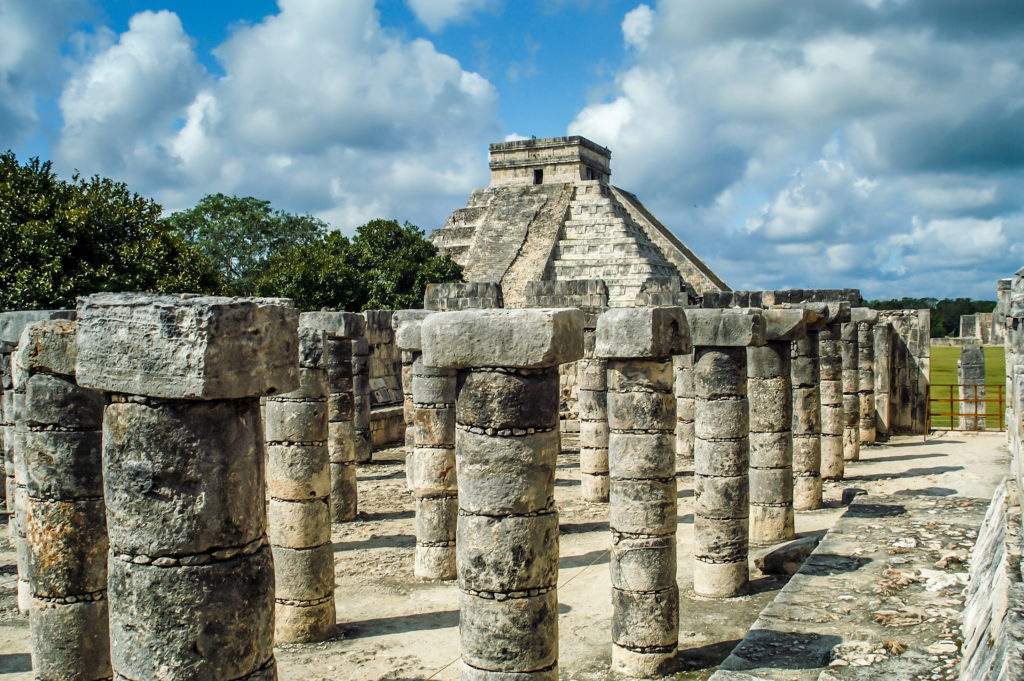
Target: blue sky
[[868, 143]]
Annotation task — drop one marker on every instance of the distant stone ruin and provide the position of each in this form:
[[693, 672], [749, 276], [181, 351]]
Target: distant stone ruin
[[551, 214]]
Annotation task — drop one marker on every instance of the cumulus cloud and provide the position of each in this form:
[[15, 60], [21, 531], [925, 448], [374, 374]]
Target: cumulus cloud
[[31, 35], [808, 144], [318, 109], [436, 14]]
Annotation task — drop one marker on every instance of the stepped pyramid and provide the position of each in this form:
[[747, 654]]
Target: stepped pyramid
[[550, 213]]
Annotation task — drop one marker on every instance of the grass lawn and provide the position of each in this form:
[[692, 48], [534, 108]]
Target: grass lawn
[[943, 373]]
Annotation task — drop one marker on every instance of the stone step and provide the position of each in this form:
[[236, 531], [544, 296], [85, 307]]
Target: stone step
[[590, 251], [640, 269]]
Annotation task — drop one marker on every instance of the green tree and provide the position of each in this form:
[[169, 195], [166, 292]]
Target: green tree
[[60, 240], [315, 275], [385, 266], [239, 235]]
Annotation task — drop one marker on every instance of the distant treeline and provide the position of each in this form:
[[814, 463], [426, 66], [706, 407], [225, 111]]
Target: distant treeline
[[946, 313]]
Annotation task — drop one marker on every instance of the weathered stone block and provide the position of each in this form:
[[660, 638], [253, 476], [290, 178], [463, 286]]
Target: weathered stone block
[[785, 325], [228, 634], [47, 346], [499, 400], [720, 372], [297, 471], [13, 323], [641, 411], [721, 457], [432, 471], [60, 464], [407, 329], [719, 497], [72, 640], [643, 506], [642, 455], [643, 563], [518, 634], [726, 328], [298, 524], [642, 332], [170, 489], [525, 338], [341, 324], [181, 347], [506, 475], [648, 619], [722, 419], [436, 520], [67, 543], [56, 401], [504, 555], [304, 574]]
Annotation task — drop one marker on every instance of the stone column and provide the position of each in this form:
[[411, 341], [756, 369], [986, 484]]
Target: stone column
[[638, 344], [770, 394], [431, 468], [348, 441], [831, 370], [299, 485], [361, 399], [883, 377], [592, 391], [66, 531], [866, 318], [971, 377], [683, 367], [190, 574], [721, 450], [806, 380], [851, 396], [408, 406], [506, 451], [11, 326]]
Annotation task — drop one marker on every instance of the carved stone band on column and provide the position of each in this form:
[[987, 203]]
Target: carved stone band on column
[[807, 411], [347, 440], [299, 485], [60, 464], [638, 344], [721, 447], [430, 467], [830, 367], [865, 318], [506, 452], [769, 390], [11, 326], [184, 479]]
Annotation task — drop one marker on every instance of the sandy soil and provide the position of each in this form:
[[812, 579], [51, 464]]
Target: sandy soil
[[392, 626]]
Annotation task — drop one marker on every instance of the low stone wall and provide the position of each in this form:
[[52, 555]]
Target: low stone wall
[[993, 621]]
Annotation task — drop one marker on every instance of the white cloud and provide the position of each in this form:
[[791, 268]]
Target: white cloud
[[825, 144], [319, 110], [31, 34], [435, 14]]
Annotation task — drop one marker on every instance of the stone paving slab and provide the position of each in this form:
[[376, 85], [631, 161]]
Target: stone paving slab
[[880, 598]]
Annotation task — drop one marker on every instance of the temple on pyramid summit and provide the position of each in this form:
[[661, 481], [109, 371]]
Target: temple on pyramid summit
[[551, 214]]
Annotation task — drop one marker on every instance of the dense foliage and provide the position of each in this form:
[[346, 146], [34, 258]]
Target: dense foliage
[[60, 240], [240, 235], [945, 313], [385, 266]]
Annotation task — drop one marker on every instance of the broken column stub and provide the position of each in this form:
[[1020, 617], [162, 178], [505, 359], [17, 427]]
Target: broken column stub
[[348, 433], [506, 453], [971, 377], [865, 318], [638, 344], [769, 391], [830, 367], [807, 411], [851, 394], [721, 447], [184, 478], [299, 487], [11, 326], [60, 464], [431, 465]]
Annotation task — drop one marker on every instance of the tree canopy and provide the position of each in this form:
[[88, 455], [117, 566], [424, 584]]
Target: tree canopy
[[385, 266], [60, 240], [945, 315], [240, 234]]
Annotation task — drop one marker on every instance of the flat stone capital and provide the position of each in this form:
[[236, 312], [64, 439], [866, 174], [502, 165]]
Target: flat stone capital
[[312, 348], [14, 322], [838, 312], [642, 332], [815, 314], [784, 325], [47, 346], [187, 347], [407, 325], [516, 338], [335, 323], [734, 327], [864, 315]]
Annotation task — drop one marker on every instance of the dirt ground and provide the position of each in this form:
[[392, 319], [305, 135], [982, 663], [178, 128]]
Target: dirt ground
[[392, 626]]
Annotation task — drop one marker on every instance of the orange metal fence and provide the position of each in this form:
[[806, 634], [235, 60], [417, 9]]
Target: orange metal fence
[[973, 407]]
